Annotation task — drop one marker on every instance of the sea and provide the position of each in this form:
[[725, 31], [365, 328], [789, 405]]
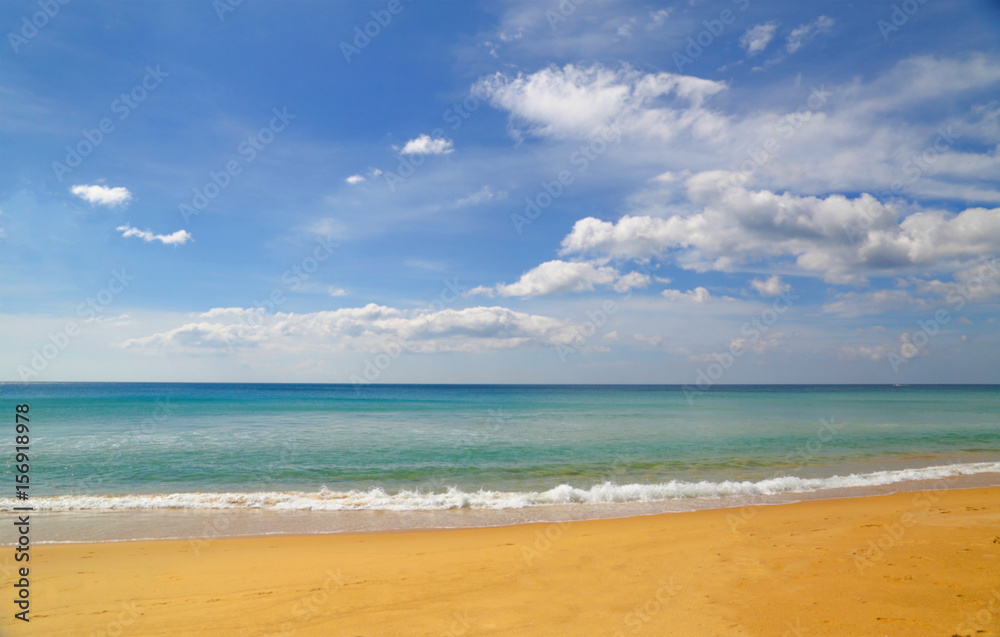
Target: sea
[[124, 461]]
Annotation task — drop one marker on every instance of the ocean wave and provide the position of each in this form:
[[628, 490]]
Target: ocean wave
[[454, 498]]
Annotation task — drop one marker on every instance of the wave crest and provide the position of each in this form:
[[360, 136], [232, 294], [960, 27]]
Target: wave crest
[[454, 498]]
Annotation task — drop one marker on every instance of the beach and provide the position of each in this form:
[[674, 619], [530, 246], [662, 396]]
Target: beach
[[912, 563], [584, 319]]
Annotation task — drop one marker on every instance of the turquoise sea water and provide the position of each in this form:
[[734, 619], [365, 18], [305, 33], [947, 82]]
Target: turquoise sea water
[[114, 446]]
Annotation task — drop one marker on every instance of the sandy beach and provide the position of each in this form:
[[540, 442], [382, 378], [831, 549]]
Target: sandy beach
[[917, 563]]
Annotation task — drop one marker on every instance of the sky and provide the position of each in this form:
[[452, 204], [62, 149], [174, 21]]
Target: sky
[[585, 191]]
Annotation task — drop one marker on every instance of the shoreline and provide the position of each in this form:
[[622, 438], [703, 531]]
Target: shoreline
[[111, 526], [913, 563]]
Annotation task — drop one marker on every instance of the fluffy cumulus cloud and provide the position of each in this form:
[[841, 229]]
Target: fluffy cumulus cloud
[[368, 329], [561, 277], [839, 238], [697, 295], [427, 145], [770, 287], [758, 37], [177, 238], [97, 195], [355, 179], [582, 101]]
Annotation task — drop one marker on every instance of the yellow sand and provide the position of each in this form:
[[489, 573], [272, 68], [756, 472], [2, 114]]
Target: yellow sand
[[932, 570]]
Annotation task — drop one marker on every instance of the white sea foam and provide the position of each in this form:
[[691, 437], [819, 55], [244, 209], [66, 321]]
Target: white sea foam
[[453, 498]]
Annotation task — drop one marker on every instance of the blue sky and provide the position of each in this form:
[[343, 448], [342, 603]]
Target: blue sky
[[690, 192]]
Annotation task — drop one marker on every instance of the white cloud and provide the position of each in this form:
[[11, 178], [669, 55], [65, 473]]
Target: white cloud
[[355, 179], [482, 195], [854, 304], [561, 277], [657, 18], [580, 102], [669, 177], [630, 281], [838, 238], [757, 345], [177, 238], [758, 37], [917, 79], [102, 195], [859, 137], [978, 283], [649, 340], [366, 329], [803, 33], [231, 312], [507, 36], [904, 348], [697, 295], [426, 145], [772, 286], [336, 291], [481, 290], [864, 352]]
